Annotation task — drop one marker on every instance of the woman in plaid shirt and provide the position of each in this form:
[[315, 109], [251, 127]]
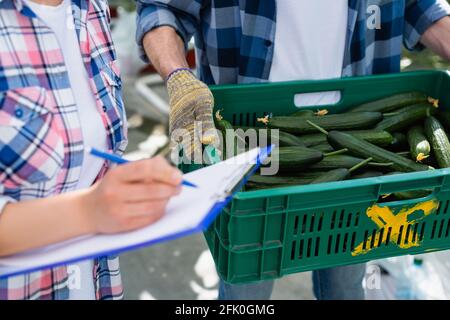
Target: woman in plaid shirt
[[60, 92]]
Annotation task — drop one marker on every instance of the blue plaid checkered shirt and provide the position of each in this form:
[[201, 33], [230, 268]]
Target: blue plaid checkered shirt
[[235, 38]]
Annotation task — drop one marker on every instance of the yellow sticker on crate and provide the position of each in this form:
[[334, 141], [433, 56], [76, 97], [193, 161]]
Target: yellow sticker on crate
[[385, 219]]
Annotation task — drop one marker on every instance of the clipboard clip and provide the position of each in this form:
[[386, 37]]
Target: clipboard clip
[[237, 181]]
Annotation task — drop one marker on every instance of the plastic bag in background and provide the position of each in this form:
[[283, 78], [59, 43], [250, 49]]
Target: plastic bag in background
[[124, 40], [422, 277], [438, 263], [396, 267]]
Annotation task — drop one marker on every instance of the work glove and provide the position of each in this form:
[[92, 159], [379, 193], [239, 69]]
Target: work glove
[[191, 103]]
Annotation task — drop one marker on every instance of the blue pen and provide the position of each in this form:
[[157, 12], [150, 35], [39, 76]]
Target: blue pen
[[116, 159]]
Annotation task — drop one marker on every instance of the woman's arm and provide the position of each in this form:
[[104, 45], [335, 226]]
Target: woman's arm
[[437, 38], [128, 197]]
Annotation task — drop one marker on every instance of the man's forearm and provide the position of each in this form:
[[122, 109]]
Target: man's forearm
[[437, 38], [165, 49]]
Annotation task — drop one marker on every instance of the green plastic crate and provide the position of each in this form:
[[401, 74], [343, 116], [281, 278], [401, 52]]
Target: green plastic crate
[[270, 233]]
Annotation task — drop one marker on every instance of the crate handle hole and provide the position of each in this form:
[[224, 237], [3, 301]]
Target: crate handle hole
[[317, 99]]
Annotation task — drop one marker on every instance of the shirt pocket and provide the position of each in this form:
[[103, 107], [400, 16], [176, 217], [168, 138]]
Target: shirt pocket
[[113, 104], [31, 149]]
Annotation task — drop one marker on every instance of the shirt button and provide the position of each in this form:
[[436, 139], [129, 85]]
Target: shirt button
[[19, 113], [267, 43], [104, 109]]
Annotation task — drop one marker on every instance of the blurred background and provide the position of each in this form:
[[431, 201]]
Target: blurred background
[[183, 269]]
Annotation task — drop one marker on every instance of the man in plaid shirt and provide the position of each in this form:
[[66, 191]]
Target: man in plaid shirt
[[249, 41]]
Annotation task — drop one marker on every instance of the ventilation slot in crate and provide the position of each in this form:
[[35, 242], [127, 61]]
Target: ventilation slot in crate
[[443, 207], [308, 223], [440, 229], [342, 219], [247, 119], [305, 248]]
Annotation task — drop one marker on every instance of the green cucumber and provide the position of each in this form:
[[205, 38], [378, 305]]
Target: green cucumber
[[343, 161], [439, 141], [414, 194], [393, 102], [331, 176], [295, 158], [336, 162], [367, 174], [406, 117], [378, 137], [340, 174], [364, 149], [225, 127], [284, 139], [303, 113], [277, 180], [299, 125], [399, 143], [419, 146], [444, 118], [323, 147]]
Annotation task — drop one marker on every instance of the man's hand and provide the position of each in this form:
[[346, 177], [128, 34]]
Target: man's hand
[[191, 104], [190, 99], [437, 38]]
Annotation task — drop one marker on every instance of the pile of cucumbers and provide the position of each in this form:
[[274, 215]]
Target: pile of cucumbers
[[401, 133]]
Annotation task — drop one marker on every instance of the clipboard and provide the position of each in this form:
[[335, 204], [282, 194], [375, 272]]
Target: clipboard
[[190, 212]]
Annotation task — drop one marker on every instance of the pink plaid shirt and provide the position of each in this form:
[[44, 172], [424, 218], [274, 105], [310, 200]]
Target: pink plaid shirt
[[41, 145]]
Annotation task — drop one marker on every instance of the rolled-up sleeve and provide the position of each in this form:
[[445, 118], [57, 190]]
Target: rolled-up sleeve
[[182, 15], [419, 16], [4, 201]]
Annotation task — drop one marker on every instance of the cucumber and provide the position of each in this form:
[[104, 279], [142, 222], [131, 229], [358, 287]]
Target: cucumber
[[377, 137], [284, 139], [364, 149], [404, 154], [336, 162], [343, 161], [295, 158], [399, 143], [310, 174], [331, 176], [393, 102], [444, 118], [277, 180], [406, 117], [287, 140], [414, 194], [303, 113], [223, 125], [341, 173], [323, 147], [368, 174], [419, 146], [439, 141], [299, 125]]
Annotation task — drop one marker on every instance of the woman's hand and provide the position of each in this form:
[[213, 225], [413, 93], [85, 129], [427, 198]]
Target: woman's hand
[[131, 196]]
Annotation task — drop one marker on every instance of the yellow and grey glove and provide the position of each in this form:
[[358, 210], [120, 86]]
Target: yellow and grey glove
[[191, 104]]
